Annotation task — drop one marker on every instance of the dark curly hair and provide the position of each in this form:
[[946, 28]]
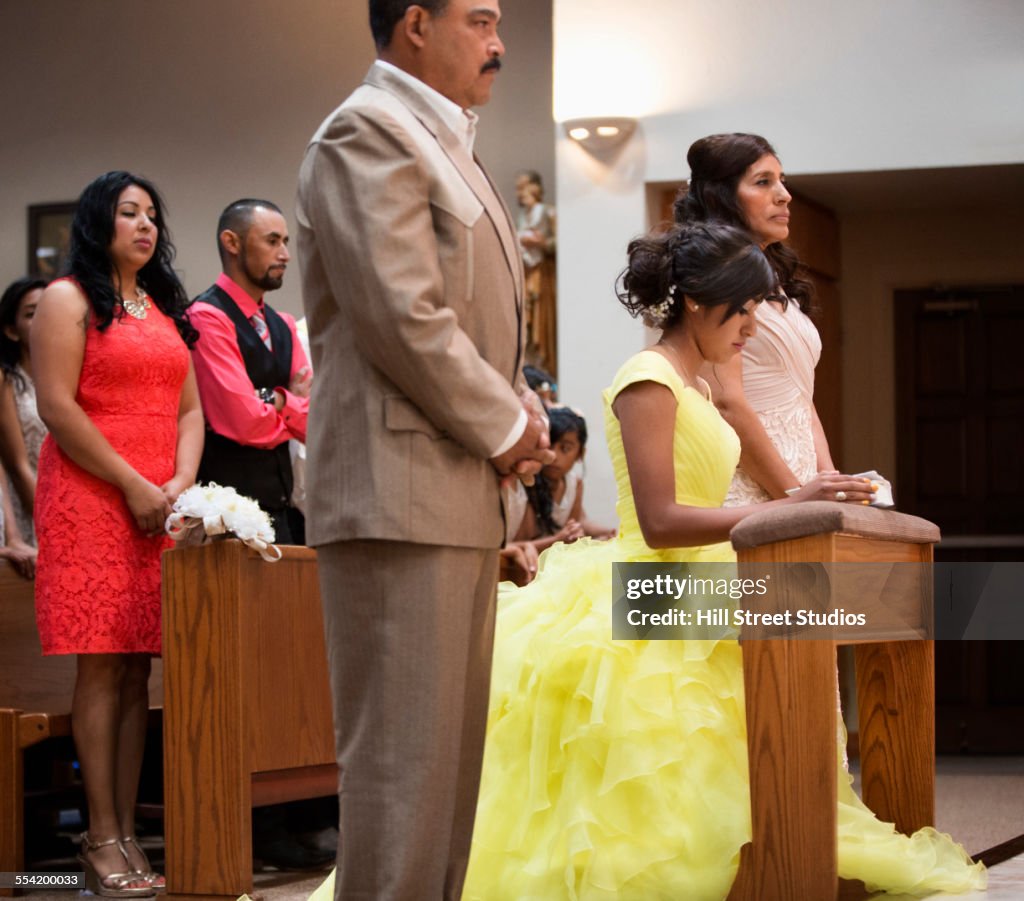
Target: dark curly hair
[[717, 163], [562, 420], [10, 350], [537, 378], [714, 264], [89, 263]]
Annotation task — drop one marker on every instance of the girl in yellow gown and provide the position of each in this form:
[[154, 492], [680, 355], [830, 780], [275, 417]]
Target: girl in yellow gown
[[617, 770]]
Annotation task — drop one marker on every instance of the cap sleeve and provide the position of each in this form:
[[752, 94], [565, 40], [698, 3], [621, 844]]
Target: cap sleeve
[[646, 366]]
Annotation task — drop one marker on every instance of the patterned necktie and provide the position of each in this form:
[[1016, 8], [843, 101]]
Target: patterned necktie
[[260, 324]]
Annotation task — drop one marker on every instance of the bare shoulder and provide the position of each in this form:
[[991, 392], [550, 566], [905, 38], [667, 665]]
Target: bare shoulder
[[63, 297], [62, 308]]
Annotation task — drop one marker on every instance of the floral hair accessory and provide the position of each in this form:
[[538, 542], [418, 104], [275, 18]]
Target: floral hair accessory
[[658, 314], [215, 511]]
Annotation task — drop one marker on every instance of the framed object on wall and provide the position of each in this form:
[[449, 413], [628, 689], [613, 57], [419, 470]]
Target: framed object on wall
[[49, 234]]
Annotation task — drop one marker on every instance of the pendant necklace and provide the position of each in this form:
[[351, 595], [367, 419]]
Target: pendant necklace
[[138, 306]]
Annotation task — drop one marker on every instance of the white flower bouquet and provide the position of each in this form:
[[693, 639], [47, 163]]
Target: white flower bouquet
[[211, 511]]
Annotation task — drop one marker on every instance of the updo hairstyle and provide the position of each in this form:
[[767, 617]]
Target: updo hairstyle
[[713, 264]]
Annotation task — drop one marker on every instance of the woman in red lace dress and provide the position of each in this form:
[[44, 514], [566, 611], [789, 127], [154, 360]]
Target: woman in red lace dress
[[116, 390]]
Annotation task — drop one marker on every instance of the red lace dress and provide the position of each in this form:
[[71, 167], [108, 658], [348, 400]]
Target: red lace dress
[[98, 576]]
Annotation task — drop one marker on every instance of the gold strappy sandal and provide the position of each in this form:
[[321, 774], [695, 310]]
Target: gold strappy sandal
[[112, 885], [156, 880]]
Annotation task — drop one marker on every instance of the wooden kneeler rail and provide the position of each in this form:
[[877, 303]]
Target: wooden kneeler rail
[[247, 710], [791, 708]]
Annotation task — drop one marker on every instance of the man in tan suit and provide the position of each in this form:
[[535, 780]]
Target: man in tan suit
[[413, 289]]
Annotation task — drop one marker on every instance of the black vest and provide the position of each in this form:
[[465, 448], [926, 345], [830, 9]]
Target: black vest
[[260, 473]]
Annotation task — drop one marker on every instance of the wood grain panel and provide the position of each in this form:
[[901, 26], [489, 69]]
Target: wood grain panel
[[896, 707], [790, 701], [283, 663], [207, 807], [247, 700], [792, 771]]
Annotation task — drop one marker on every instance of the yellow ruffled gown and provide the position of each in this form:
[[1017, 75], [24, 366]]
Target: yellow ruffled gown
[[617, 770]]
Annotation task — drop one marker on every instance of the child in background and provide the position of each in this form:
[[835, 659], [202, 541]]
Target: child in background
[[542, 384], [555, 502]]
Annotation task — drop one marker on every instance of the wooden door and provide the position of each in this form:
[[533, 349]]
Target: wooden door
[[959, 443]]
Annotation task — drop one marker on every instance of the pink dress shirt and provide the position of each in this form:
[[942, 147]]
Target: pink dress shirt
[[228, 396]]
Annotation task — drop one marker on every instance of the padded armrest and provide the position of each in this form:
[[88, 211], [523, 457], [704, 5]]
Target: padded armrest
[[818, 517]]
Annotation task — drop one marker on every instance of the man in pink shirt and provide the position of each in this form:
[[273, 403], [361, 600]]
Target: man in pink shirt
[[254, 378]]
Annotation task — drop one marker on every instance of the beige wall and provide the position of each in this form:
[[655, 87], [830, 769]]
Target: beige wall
[[214, 100], [886, 251]]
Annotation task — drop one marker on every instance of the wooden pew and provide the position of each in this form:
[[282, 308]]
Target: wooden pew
[[35, 705], [791, 706], [247, 715]]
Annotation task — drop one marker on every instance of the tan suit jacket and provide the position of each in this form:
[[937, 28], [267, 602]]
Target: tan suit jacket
[[412, 283]]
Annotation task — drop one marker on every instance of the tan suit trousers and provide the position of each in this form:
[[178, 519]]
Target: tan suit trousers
[[409, 630]]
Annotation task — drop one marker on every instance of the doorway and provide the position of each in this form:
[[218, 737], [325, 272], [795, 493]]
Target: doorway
[[959, 442]]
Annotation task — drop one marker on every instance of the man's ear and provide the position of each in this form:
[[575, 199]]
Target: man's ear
[[230, 242], [415, 24]]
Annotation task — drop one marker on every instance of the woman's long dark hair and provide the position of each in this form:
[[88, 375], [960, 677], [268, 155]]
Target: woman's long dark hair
[[89, 263], [10, 350], [717, 164]]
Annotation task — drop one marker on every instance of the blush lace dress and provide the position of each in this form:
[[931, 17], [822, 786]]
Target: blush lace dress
[[778, 382], [98, 576]]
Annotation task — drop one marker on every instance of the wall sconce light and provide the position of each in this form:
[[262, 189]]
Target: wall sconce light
[[600, 136]]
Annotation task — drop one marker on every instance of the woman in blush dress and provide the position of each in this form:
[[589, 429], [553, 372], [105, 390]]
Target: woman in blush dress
[[116, 389], [766, 393]]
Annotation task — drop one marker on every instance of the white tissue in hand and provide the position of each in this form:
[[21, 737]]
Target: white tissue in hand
[[883, 496]]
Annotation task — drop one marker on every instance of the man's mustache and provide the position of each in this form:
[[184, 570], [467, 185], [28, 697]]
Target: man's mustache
[[493, 63]]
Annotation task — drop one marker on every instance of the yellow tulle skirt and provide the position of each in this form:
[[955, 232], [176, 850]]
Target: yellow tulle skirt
[[617, 770]]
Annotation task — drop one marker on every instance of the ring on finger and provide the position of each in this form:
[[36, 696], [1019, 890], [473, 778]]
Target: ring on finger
[[840, 495]]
